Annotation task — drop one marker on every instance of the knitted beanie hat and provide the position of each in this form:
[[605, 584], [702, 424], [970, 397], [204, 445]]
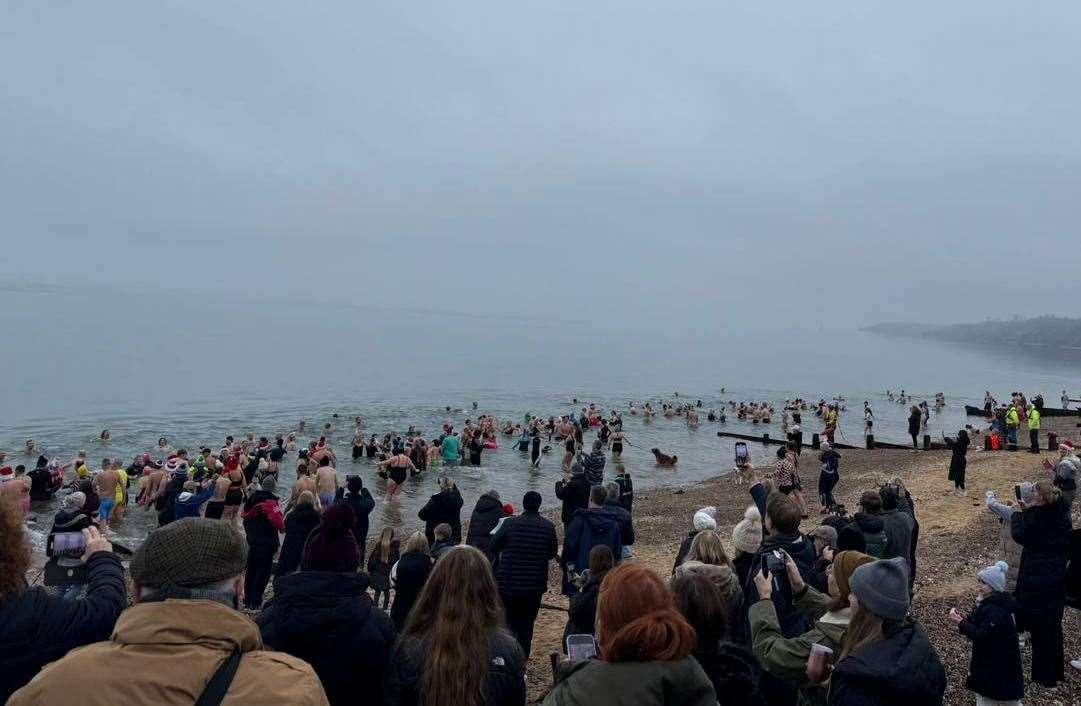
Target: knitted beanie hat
[[331, 545], [882, 588], [844, 563], [994, 576], [704, 519], [73, 501], [747, 534], [189, 553]]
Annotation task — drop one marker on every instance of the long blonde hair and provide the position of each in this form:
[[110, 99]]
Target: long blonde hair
[[707, 548], [386, 539], [454, 618], [417, 542]]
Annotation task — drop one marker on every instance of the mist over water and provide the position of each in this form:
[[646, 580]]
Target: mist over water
[[195, 369]]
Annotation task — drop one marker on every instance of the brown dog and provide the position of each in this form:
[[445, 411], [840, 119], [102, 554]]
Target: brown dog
[[664, 459]]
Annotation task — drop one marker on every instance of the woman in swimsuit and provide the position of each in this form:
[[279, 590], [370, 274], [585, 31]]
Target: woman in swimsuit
[[234, 497], [617, 442], [398, 468]]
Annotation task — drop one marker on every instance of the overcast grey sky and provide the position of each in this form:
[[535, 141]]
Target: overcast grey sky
[[857, 161]]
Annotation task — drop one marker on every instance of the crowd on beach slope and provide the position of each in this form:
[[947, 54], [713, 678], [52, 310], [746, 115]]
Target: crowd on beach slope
[[790, 616]]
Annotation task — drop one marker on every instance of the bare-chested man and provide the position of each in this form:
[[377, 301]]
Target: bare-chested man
[[326, 481], [304, 483], [107, 482]]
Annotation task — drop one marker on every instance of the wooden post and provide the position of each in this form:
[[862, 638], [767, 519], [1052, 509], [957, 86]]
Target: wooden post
[[816, 442], [870, 441], [1052, 441], [926, 442], [987, 443]]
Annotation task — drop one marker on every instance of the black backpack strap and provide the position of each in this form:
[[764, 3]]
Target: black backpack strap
[[218, 686]]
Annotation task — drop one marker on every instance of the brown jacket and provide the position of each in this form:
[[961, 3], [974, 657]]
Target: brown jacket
[[165, 653]]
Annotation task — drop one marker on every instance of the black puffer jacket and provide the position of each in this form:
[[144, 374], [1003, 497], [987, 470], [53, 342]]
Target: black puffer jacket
[[443, 507], [410, 575], [901, 670], [734, 673], [1043, 531], [525, 545], [327, 620], [995, 670], [575, 496], [300, 521], [898, 527], [65, 521], [36, 628], [486, 515], [262, 535], [362, 505], [506, 672]]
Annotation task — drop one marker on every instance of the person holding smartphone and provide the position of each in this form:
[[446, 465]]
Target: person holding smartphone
[[47, 627]]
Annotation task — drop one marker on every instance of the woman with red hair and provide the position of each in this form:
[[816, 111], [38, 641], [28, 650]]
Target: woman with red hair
[[645, 648]]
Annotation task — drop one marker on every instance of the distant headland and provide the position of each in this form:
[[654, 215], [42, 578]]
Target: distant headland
[[1042, 331]]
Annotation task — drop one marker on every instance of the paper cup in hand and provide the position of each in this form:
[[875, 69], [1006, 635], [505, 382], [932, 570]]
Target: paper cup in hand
[[818, 663]]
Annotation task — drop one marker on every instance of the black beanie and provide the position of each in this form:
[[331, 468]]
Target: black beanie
[[850, 538], [331, 545]]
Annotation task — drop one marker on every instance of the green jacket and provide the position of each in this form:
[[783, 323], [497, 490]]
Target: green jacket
[[786, 658], [597, 683]]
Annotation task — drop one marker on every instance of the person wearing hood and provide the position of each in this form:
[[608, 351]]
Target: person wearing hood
[[707, 557], [871, 526], [702, 520], [995, 673], [443, 507], [786, 658], [299, 522], [573, 490], [183, 635], [71, 517], [360, 501], [897, 525], [886, 658], [191, 499], [322, 614], [623, 517], [262, 523], [486, 516], [589, 528], [1042, 528]]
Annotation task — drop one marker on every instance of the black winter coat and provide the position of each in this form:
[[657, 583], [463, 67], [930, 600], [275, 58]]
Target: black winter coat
[[590, 528], [327, 620], [873, 530], [734, 673], [802, 550], [525, 545], [1043, 531], [626, 524], [443, 507], [410, 577], [300, 521], [575, 496], [582, 615], [65, 521], [898, 527], [262, 535], [486, 515], [901, 670], [362, 505], [36, 628], [995, 670], [506, 672]]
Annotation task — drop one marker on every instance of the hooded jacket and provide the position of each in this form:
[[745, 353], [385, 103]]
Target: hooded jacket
[[898, 528], [408, 577], [903, 669], [486, 515], [626, 523], [189, 504], [169, 650], [443, 507], [299, 523], [362, 505], [995, 670], [36, 628], [327, 620], [873, 530], [589, 528], [597, 683]]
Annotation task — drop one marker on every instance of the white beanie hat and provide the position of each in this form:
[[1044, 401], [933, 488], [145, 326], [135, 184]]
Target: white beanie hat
[[747, 535], [705, 519], [994, 575]]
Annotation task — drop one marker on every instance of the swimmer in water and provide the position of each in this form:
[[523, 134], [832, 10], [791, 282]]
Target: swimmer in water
[[105, 436], [30, 447]]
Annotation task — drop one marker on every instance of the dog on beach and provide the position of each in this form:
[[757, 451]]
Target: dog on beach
[[664, 459]]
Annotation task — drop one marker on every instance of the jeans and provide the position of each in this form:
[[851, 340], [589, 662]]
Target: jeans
[[826, 482], [1011, 435], [521, 612]]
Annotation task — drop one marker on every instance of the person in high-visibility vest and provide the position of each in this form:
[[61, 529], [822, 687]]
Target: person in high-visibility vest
[[1013, 421], [1034, 429]]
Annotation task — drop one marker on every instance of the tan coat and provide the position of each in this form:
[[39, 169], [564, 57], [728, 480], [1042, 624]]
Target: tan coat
[[165, 653]]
